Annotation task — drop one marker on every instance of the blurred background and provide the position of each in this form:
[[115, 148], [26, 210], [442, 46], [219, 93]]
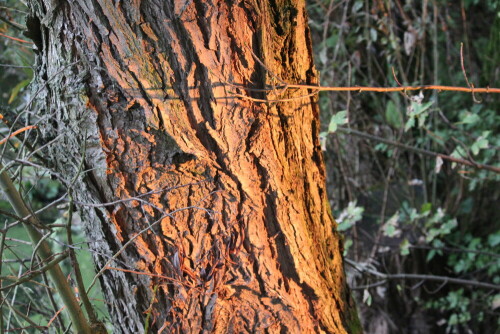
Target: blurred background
[[407, 213]]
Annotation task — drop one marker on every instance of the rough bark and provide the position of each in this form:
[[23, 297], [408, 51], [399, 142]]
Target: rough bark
[[156, 96]]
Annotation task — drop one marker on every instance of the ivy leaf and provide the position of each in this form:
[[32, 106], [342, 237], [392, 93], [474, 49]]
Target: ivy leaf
[[430, 255], [404, 247], [421, 107], [357, 6], [347, 244], [409, 123], [393, 116], [426, 207], [470, 118], [480, 143], [494, 239], [391, 226], [417, 110], [17, 88], [458, 152], [349, 216], [336, 120], [331, 41]]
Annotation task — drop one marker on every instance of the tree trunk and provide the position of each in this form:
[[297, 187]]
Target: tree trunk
[[221, 197]]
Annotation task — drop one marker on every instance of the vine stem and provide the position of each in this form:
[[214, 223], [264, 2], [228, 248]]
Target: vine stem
[[486, 90], [44, 251], [419, 150]]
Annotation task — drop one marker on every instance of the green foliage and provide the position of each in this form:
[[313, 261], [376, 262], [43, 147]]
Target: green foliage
[[460, 311], [349, 216], [393, 115], [339, 118], [418, 113], [347, 219], [17, 88], [428, 215]]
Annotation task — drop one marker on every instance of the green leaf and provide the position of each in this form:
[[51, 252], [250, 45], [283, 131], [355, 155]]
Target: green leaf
[[357, 6], [460, 153], [404, 247], [391, 226], [421, 119], [409, 123], [430, 255], [495, 301], [367, 297], [347, 244], [381, 147], [494, 239], [413, 214], [460, 266], [470, 118], [17, 88], [421, 107], [349, 216], [390, 230], [331, 41], [392, 115], [336, 120], [480, 143], [426, 207], [417, 110], [345, 225]]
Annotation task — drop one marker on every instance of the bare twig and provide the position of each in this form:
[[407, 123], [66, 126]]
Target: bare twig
[[32, 274], [55, 317], [365, 269], [369, 286], [25, 318], [144, 273], [419, 150], [53, 303], [361, 89], [253, 99], [15, 133], [76, 267], [457, 250], [395, 77], [106, 265], [2, 243], [13, 24], [14, 66], [16, 39], [135, 198]]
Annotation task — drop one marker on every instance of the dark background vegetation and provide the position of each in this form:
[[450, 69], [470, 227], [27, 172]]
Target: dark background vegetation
[[402, 212]]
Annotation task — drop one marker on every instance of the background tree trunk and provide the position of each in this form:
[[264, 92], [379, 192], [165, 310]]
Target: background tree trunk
[[156, 95]]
